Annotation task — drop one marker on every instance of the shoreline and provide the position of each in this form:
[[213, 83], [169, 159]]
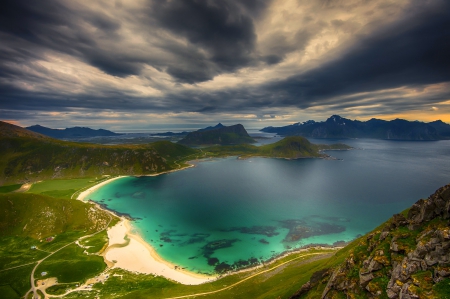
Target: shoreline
[[136, 255], [82, 196], [129, 251]]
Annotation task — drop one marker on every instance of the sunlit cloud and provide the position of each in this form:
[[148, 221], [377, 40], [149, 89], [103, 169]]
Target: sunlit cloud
[[257, 62]]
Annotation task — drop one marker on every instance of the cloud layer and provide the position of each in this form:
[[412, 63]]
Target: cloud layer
[[195, 61]]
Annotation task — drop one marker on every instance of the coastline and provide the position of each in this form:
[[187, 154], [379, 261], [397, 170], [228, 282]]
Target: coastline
[[136, 255], [129, 251], [82, 196]]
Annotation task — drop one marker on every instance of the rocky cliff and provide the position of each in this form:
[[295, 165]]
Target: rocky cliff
[[407, 257]]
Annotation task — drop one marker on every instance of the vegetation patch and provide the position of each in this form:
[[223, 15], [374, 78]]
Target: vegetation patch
[[71, 265], [95, 243], [10, 188], [17, 279]]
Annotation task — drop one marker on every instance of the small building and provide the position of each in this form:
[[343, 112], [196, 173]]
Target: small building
[[33, 247], [43, 273]]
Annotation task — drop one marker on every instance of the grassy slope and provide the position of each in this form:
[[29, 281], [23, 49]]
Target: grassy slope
[[26, 219], [292, 147], [32, 159], [38, 216]]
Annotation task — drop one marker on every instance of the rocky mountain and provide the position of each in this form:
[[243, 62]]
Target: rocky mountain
[[219, 134], [407, 257], [75, 132], [218, 126], [339, 127]]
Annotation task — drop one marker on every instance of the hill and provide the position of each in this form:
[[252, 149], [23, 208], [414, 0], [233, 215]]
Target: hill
[[292, 147], [28, 156], [219, 134], [407, 257], [339, 127], [9, 130], [75, 132], [38, 216]]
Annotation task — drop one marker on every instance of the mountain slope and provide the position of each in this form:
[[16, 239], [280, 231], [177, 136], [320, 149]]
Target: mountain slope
[[32, 158], [292, 147], [75, 132], [339, 127], [9, 130], [222, 135], [407, 257]]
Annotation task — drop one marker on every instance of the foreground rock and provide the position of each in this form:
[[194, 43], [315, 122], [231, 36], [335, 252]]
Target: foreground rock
[[407, 257]]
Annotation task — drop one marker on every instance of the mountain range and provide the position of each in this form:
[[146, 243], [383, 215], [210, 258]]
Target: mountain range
[[339, 127], [75, 132]]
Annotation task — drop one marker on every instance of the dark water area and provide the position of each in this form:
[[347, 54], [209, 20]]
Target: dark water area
[[230, 213]]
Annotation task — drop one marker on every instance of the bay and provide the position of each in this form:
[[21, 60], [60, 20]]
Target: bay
[[228, 213]]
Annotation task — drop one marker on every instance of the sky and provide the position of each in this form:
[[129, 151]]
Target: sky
[[147, 64]]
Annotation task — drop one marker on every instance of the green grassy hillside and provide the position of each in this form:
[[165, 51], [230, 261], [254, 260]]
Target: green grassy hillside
[[27, 159], [292, 147], [39, 216], [28, 220]]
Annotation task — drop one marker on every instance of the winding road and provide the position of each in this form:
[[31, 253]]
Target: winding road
[[33, 286]]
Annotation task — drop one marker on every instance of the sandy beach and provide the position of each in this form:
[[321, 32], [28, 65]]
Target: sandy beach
[[136, 255], [87, 192], [139, 256]]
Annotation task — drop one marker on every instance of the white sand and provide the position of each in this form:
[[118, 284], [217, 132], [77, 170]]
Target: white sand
[[87, 192], [139, 256]]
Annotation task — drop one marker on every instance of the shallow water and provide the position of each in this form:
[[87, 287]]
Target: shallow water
[[230, 212]]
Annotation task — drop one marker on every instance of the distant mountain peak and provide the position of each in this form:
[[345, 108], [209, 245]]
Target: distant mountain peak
[[218, 126], [67, 133], [340, 127], [220, 134]]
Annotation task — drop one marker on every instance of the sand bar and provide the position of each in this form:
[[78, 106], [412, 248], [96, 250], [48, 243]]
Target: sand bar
[[138, 256]]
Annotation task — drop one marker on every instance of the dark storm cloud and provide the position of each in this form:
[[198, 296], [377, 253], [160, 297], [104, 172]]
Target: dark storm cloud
[[410, 52], [54, 25], [221, 35], [223, 29]]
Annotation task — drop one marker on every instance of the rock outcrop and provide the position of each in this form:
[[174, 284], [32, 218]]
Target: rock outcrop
[[406, 258]]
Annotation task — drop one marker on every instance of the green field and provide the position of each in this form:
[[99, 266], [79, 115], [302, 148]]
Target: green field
[[63, 188], [10, 188], [72, 265], [17, 279], [95, 243]]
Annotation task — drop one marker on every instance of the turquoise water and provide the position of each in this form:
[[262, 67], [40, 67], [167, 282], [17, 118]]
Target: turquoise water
[[230, 213]]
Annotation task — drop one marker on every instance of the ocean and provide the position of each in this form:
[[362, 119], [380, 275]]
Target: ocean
[[229, 213]]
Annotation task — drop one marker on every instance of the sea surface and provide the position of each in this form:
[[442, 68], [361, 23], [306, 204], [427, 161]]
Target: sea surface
[[228, 213]]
